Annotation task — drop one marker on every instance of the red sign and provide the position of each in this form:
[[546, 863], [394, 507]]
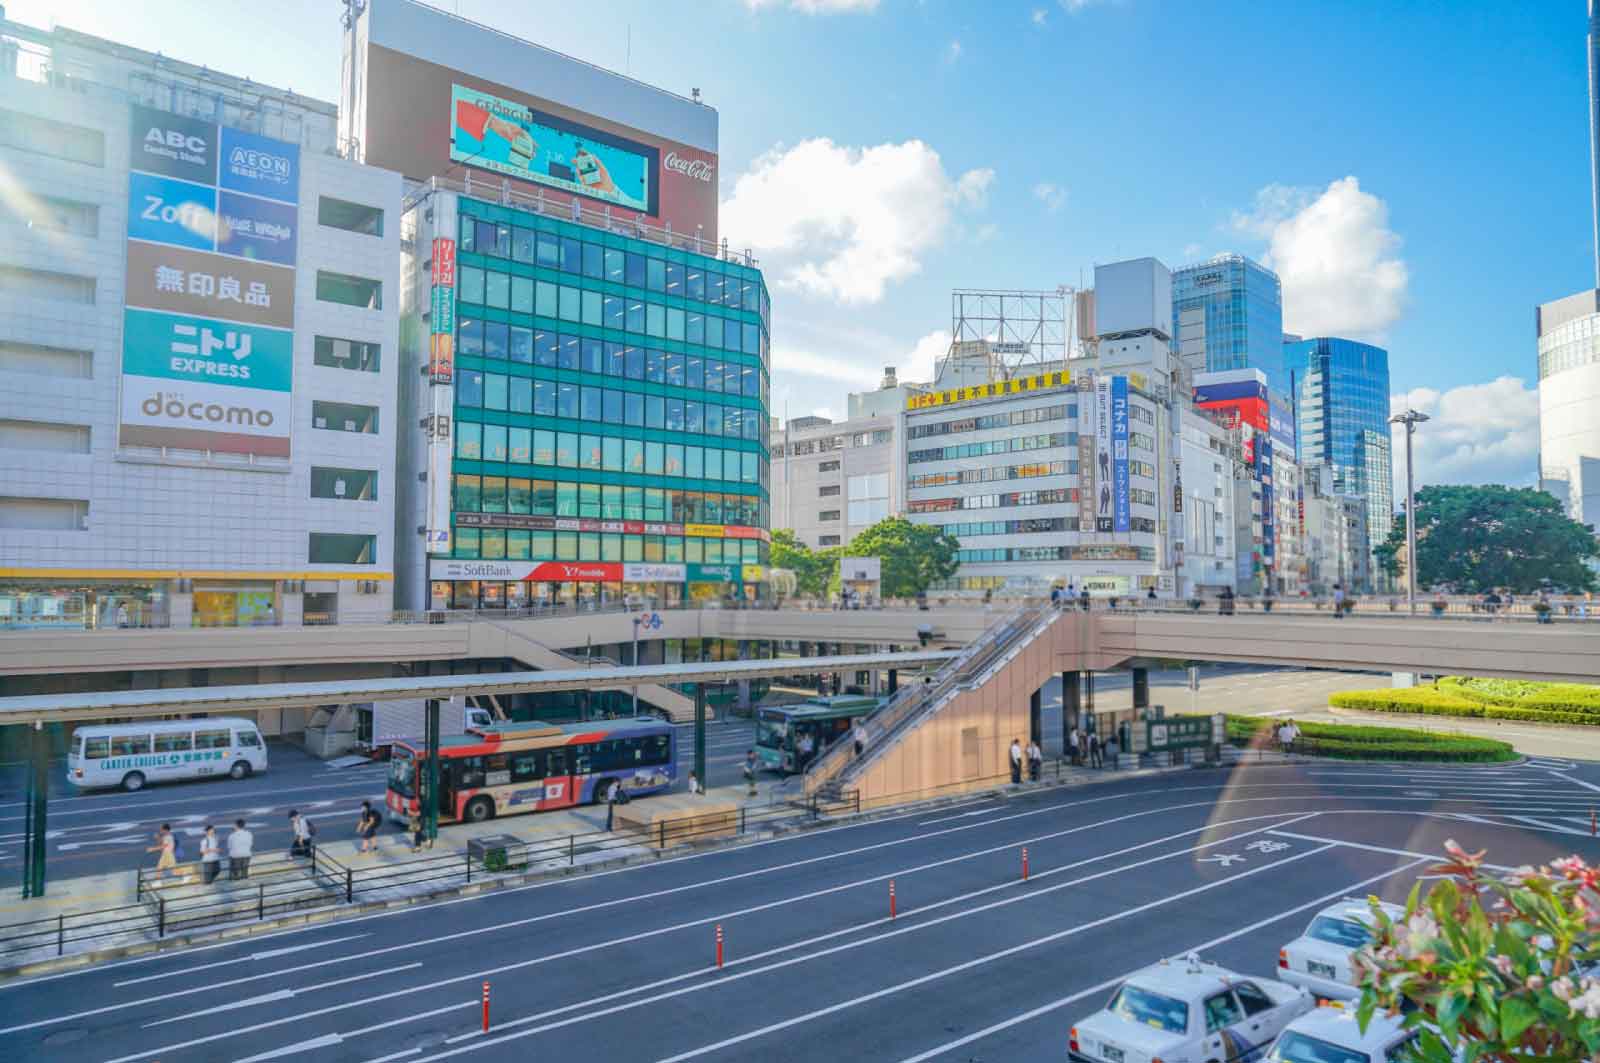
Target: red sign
[[577, 571], [444, 261], [1249, 411]]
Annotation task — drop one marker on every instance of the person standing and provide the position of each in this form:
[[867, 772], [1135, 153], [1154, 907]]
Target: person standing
[[414, 825], [613, 792], [1095, 758], [1016, 761], [303, 832], [749, 773], [1035, 760], [808, 746], [167, 845], [240, 844], [859, 734], [694, 784], [1338, 601], [1072, 745], [367, 828], [210, 854], [1287, 733]]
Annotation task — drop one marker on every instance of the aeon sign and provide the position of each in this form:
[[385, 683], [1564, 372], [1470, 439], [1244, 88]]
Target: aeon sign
[[698, 169]]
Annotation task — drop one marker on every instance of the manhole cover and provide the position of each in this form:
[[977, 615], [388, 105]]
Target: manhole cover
[[66, 1037]]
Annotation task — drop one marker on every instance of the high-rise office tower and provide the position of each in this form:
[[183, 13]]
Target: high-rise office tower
[[1228, 313], [1594, 128]]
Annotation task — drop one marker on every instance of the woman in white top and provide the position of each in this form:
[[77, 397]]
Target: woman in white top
[[210, 854]]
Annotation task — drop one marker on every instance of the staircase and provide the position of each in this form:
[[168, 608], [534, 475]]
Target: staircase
[[679, 707], [831, 774]]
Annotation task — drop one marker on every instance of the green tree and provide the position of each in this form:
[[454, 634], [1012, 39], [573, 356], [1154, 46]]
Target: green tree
[[1491, 968], [1478, 538], [812, 568], [914, 556]]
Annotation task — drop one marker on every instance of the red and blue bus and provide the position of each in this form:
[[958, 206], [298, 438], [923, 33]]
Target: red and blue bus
[[532, 767]]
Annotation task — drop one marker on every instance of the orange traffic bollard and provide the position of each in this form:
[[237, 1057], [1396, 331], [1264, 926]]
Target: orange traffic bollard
[[891, 898], [1024, 863], [719, 946], [486, 1007]]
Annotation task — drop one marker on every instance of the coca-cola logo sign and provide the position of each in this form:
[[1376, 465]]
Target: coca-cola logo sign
[[698, 169]]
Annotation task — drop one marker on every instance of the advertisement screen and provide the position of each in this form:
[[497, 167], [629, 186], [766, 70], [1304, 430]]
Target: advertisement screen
[[513, 139]]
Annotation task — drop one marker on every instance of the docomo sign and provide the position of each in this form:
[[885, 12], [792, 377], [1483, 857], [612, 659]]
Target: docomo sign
[[698, 169]]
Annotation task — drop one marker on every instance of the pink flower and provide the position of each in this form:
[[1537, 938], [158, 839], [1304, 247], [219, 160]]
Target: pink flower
[[1535, 981], [1503, 965], [1563, 989]]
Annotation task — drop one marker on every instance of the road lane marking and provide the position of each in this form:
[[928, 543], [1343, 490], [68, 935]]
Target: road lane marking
[[1575, 781], [1375, 848], [1539, 824], [275, 996], [157, 802], [267, 955], [1073, 998], [331, 1039]]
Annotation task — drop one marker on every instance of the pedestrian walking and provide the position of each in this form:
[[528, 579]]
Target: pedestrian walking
[[210, 854], [1096, 760], [1338, 602], [302, 831], [613, 793], [414, 825], [694, 784], [749, 773], [1016, 761], [1072, 745], [167, 845], [859, 734], [240, 844], [1035, 760], [1287, 733], [367, 828], [1083, 599]]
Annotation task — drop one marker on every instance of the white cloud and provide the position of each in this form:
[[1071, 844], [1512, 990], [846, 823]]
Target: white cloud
[[1191, 252], [1053, 196], [1477, 434], [1072, 7], [845, 372], [952, 51], [844, 223], [1039, 16], [817, 7], [1336, 255]]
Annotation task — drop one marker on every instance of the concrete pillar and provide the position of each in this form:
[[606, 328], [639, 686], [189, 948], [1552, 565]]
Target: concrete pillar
[[1141, 691], [1088, 700], [1035, 724], [1071, 705], [894, 681]]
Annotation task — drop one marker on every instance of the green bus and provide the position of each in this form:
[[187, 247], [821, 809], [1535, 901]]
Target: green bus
[[788, 737]]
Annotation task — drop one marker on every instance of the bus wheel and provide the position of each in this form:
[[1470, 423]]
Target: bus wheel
[[240, 769], [479, 809], [132, 781]]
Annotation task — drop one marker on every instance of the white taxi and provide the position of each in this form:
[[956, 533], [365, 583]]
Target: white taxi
[[1187, 1011], [1320, 958], [1331, 1034]]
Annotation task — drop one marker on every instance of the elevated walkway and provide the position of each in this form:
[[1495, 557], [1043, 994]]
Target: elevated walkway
[[520, 647]]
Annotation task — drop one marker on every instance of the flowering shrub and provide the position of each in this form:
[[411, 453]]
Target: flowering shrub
[[1496, 968]]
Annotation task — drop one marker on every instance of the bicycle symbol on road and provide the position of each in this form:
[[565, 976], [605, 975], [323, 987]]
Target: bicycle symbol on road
[[649, 621]]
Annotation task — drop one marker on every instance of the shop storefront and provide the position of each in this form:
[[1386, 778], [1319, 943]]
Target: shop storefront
[[83, 604], [235, 604], [553, 584]]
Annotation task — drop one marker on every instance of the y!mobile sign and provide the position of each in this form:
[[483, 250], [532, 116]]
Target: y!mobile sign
[[208, 332]]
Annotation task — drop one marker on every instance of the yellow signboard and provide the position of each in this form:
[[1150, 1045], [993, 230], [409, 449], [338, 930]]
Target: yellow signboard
[[708, 531], [1017, 386], [753, 573]]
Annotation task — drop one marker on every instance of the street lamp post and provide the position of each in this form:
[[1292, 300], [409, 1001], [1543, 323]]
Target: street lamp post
[[635, 662], [1411, 418]]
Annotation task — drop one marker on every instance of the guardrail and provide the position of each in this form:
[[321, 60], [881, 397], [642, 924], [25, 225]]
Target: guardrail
[[277, 886]]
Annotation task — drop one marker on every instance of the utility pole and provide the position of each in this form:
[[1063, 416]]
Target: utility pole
[[1411, 418]]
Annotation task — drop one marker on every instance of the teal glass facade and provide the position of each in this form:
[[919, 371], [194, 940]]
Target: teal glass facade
[[1341, 390], [1241, 308], [610, 398]]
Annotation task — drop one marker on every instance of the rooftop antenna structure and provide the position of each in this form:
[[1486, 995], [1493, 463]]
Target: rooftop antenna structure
[[1017, 330]]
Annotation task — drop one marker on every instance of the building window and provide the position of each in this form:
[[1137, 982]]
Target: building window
[[58, 215], [346, 290], [44, 436], [828, 490], [346, 354], [40, 361], [344, 417], [333, 548], [346, 485], [32, 284], [41, 136], [44, 514], [828, 466], [351, 217], [827, 540]]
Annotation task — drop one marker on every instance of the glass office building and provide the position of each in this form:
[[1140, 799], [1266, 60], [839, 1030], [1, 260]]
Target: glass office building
[[1341, 391], [1228, 313], [610, 417]]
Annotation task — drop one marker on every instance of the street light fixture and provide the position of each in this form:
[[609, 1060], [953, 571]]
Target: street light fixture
[[1411, 418]]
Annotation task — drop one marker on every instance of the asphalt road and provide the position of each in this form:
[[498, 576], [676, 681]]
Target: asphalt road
[[978, 965]]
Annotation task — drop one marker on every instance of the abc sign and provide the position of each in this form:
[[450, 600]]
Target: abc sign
[[171, 138]]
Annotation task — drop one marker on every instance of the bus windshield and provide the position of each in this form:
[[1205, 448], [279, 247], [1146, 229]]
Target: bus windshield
[[402, 773], [771, 731]]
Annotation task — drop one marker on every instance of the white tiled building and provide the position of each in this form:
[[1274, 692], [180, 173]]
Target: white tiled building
[[830, 482], [97, 528]]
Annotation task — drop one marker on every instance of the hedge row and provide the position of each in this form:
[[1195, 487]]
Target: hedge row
[[1524, 694], [1353, 742], [1427, 701]]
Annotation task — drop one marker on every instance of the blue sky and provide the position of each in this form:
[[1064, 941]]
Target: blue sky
[[1417, 171]]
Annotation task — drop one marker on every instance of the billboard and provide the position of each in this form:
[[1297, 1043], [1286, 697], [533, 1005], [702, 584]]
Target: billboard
[[1086, 437], [208, 327], [442, 96], [442, 312], [1119, 451], [1103, 520], [513, 139]]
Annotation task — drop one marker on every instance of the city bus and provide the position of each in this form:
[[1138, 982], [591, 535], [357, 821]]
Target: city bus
[[783, 731], [131, 755], [532, 767]]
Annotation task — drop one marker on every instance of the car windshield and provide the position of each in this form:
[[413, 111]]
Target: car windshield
[[770, 732], [1344, 932], [1298, 1048], [402, 774], [1150, 1009]]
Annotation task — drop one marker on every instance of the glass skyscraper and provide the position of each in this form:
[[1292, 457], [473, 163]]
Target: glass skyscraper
[[610, 409], [1229, 315], [1341, 393]]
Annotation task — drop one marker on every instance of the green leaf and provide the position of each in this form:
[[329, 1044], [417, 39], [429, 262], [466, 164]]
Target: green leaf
[[1452, 1005], [1516, 1015]]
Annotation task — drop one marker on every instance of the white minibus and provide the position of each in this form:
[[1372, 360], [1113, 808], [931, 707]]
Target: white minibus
[[130, 755]]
